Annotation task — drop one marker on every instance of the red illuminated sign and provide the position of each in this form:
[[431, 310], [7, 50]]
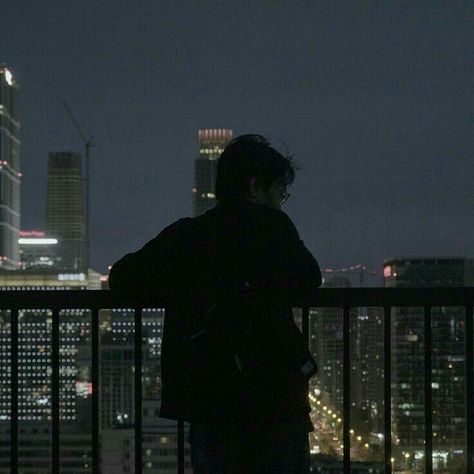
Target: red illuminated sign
[[32, 233]]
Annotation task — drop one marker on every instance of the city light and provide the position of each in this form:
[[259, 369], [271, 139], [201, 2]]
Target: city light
[[8, 76], [37, 241], [71, 276], [32, 233]]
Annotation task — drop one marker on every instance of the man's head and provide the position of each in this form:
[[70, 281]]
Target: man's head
[[250, 168]]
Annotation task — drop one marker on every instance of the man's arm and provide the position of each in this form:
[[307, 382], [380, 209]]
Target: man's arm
[[153, 268], [299, 271]]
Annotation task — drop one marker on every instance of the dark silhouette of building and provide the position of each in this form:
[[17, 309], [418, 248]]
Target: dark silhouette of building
[[10, 176], [212, 142], [65, 214]]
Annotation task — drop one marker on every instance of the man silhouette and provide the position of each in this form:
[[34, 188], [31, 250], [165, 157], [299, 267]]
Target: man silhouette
[[234, 364]]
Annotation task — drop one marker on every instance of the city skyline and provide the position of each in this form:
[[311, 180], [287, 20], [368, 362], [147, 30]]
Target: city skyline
[[373, 101]]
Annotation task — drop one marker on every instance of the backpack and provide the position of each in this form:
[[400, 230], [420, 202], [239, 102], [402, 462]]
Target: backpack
[[248, 348]]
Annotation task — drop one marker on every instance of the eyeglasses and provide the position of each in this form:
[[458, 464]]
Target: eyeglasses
[[284, 197]]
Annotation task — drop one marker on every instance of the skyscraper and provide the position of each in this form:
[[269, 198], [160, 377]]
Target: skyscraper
[[326, 343], [212, 142], [65, 214], [10, 176], [448, 360]]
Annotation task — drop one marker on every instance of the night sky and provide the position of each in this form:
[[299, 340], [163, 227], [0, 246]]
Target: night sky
[[373, 99]]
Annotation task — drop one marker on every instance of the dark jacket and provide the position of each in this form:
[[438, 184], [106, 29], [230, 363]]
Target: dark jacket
[[226, 257]]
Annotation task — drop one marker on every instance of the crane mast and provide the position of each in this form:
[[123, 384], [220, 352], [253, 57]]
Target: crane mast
[[88, 144]]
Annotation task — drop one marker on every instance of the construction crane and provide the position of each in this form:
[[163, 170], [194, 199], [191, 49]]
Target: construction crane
[[88, 144]]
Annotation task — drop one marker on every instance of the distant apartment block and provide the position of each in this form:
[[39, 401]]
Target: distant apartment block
[[366, 370], [34, 374]]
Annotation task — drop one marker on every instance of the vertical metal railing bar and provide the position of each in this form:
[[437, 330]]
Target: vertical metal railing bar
[[14, 392], [305, 326], [387, 333], [95, 390], [469, 369], [138, 391], [180, 447], [55, 390], [428, 391], [346, 387]]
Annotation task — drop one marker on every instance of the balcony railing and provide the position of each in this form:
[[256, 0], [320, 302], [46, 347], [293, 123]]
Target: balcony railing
[[385, 298]]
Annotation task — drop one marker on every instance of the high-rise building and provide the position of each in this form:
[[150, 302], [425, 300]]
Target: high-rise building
[[366, 375], [448, 360], [212, 142], [65, 213], [117, 396], [10, 176], [117, 349], [326, 344]]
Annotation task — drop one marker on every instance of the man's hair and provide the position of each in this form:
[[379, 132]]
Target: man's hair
[[246, 157]]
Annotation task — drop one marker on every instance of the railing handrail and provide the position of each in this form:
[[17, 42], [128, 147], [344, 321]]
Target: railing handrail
[[321, 297], [345, 298]]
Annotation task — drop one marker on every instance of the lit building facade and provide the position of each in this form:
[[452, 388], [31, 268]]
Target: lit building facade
[[212, 142], [34, 375], [37, 250], [117, 396], [327, 345], [448, 359], [10, 175], [35, 341], [117, 356], [159, 448], [367, 369], [366, 373], [65, 212]]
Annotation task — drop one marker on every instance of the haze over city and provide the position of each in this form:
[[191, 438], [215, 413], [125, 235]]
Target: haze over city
[[373, 100]]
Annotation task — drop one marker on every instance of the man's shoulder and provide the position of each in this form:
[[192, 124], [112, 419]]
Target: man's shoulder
[[179, 226], [184, 231], [275, 218], [276, 214], [257, 217]]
